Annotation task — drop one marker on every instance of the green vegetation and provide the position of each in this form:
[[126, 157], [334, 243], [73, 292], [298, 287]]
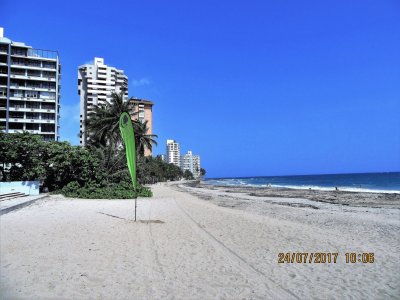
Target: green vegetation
[[188, 175], [92, 172], [96, 171], [54, 164], [94, 191], [102, 127]]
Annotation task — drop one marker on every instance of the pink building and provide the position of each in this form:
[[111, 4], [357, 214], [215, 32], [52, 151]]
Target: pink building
[[144, 109]]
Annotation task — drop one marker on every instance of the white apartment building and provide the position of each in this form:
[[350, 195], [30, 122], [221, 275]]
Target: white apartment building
[[191, 162], [173, 153], [96, 82], [29, 89]]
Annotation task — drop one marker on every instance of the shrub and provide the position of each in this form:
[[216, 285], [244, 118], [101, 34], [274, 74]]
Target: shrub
[[95, 191]]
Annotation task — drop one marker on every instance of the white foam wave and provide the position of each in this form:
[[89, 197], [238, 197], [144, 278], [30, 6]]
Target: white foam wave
[[340, 188], [237, 182]]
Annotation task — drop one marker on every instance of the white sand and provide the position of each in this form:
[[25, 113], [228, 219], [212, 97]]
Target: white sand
[[62, 249]]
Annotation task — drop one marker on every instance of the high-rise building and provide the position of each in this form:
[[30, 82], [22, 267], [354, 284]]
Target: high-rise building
[[96, 82], [173, 153], [191, 162], [29, 89], [142, 110]]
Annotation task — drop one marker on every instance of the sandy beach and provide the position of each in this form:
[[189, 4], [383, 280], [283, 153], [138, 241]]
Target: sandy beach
[[199, 242]]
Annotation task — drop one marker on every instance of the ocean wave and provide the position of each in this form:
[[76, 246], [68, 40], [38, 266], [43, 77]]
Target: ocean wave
[[340, 188], [241, 182]]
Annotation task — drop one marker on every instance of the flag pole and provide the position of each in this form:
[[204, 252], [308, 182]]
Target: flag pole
[[128, 136], [135, 203]]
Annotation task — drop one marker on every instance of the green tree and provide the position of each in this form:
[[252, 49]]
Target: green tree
[[102, 126], [188, 175], [65, 163], [56, 164], [202, 172], [21, 157], [142, 139]]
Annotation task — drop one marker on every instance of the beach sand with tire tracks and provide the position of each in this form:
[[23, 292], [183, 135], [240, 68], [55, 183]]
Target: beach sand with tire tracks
[[192, 243]]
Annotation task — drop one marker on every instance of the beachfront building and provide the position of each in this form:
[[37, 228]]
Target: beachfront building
[[142, 110], [173, 153], [96, 82], [29, 89], [192, 163]]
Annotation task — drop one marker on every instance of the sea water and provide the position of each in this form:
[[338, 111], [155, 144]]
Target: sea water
[[363, 182]]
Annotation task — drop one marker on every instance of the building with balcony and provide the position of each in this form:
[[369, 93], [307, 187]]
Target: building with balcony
[[173, 153], [29, 89], [96, 82], [192, 163], [142, 110]]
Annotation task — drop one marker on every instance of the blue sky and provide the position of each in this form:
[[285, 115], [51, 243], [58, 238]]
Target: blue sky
[[255, 87]]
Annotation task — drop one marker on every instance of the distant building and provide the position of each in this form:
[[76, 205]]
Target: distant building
[[191, 162], [29, 89], [173, 153], [96, 82], [142, 110]]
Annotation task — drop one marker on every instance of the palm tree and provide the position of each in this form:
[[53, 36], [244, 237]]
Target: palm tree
[[142, 139], [102, 126], [113, 163]]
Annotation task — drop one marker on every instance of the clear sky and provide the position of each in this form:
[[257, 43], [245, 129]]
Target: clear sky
[[254, 87]]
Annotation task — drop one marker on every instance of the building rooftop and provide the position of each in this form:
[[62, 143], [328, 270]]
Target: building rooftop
[[138, 100]]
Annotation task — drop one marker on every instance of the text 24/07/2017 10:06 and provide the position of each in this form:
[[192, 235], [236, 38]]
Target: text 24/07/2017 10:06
[[324, 257]]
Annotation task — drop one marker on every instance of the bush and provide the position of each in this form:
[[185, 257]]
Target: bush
[[95, 191]]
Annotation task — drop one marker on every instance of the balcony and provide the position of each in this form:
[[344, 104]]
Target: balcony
[[29, 130], [31, 109], [30, 120], [33, 88], [35, 53], [43, 54], [28, 66], [32, 77]]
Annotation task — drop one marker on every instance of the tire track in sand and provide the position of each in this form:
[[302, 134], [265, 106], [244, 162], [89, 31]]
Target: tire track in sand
[[252, 272]]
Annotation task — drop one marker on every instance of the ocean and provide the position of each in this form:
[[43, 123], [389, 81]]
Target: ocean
[[362, 182]]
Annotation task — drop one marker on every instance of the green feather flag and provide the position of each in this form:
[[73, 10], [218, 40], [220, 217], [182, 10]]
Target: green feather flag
[[125, 125]]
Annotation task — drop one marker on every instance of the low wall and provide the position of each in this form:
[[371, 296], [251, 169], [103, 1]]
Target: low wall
[[26, 187]]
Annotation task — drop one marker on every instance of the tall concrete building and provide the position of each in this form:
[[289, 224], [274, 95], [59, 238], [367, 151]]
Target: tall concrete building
[[173, 153], [191, 162], [96, 82], [29, 89], [142, 110]]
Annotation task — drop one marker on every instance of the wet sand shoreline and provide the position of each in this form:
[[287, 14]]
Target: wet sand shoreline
[[354, 199]]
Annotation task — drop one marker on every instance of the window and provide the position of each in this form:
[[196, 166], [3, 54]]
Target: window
[[49, 65], [16, 126], [48, 106], [19, 51], [47, 116], [34, 116], [16, 115], [47, 95], [31, 94], [34, 73], [31, 126]]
